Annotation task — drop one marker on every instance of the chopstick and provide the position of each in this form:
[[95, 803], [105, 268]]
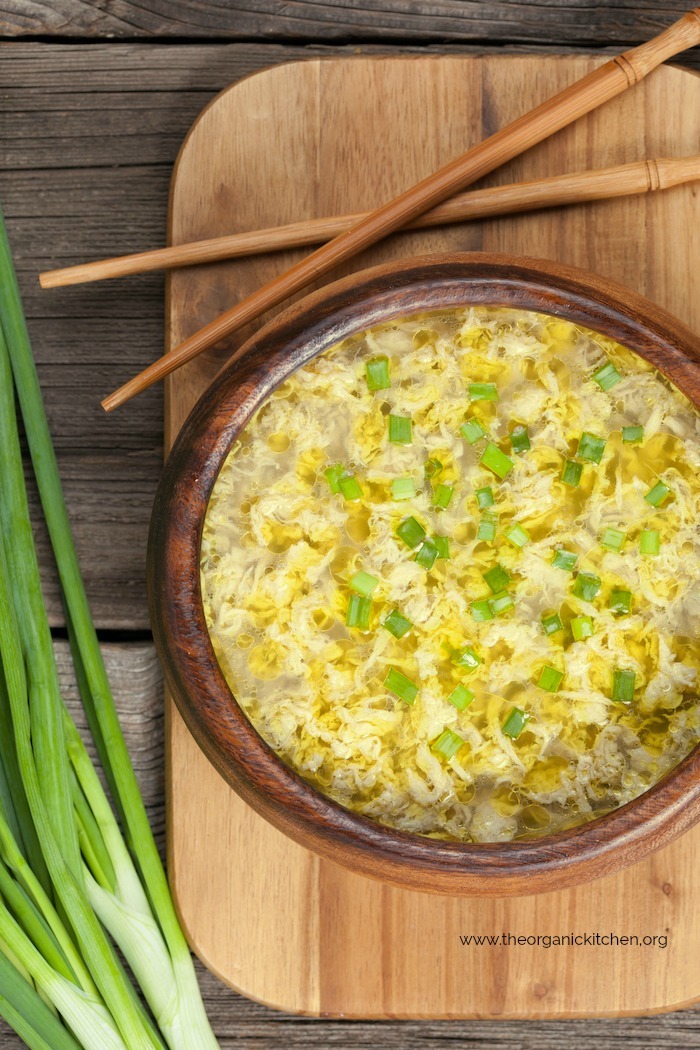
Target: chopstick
[[562, 109], [638, 177]]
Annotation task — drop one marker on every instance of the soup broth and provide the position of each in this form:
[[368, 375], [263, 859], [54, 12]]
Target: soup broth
[[451, 572]]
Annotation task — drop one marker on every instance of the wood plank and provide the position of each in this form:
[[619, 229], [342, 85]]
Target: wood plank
[[368, 947], [630, 21]]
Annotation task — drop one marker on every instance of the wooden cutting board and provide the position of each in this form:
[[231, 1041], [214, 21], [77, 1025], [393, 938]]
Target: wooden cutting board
[[318, 138]]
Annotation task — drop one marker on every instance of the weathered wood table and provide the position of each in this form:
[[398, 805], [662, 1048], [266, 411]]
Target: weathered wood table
[[95, 99]]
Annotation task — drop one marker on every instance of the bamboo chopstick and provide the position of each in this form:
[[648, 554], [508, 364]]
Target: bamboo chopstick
[[626, 179], [562, 109]]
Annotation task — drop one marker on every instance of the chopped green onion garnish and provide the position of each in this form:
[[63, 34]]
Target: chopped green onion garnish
[[397, 624], [442, 544], [432, 467], [497, 578], [472, 431], [447, 744], [564, 559], [590, 448], [633, 435], [586, 586], [496, 460], [551, 624], [350, 487], [483, 392], [612, 539], [484, 497], [623, 687], [411, 532], [620, 601], [571, 474], [377, 371], [442, 495], [581, 627], [403, 488], [486, 530], [427, 554], [358, 611], [515, 723], [401, 686], [400, 430], [501, 603], [460, 697], [364, 584], [332, 476], [649, 541], [550, 678], [519, 438], [516, 535], [481, 611], [657, 494], [606, 376], [466, 658]]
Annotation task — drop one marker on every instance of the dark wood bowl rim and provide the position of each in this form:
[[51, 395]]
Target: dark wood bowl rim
[[191, 669]]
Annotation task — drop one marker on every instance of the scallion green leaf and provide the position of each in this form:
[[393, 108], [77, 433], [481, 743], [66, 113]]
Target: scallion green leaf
[[515, 722], [571, 474], [519, 438], [564, 559], [447, 744], [358, 613], [649, 542], [411, 532], [586, 586], [484, 497], [442, 545], [350, 487], [590, 448], [607, 376], [403, 488], [550, 678], [497, 578], [486, 532], [483, 392], [364, 584], [657, 494], [581, 627], [623, 687], [501, 603], [633, 435], [400, 430], [612, 539], [497, 461], [442, 496], [472, 431], [377, 374], [620, 601], [460, 697], [333, 475], [516, 535], [397, 624], [481, 611], [551, 623], [427, 554], [466, 658], [401, 686]]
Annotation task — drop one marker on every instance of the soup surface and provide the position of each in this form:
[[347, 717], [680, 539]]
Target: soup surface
[[451, 572]]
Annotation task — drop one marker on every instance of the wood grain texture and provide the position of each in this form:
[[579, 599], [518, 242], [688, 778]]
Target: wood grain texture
[[627, 21], [369, 947]]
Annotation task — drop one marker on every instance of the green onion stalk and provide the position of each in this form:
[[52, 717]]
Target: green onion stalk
[[68, 870]]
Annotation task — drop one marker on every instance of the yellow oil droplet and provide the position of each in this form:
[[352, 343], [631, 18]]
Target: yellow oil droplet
[[344, 563], [264, 661], [535, 818], [278, 442], [244, 641], [357, 525], [323, 619]]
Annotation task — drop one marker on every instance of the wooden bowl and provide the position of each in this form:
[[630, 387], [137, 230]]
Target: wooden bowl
[[193, 675]]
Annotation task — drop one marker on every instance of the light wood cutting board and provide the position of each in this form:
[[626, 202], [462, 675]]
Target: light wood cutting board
[[319, 138]]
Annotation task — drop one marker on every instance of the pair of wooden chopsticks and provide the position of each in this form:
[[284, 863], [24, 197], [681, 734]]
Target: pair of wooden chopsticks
[[358, 233]]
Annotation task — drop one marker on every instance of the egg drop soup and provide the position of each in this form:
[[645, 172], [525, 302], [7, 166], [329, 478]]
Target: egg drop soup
[[451, 573]]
